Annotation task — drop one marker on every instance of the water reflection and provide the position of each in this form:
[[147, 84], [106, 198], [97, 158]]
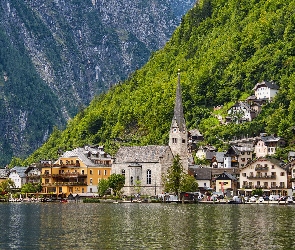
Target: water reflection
[[146, 226]]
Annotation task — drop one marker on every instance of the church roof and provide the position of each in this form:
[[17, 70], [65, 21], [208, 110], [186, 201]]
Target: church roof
[[178, 117], [140, 154]]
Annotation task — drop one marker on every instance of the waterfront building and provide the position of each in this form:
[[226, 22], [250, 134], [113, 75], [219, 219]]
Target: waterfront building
[[268, 174], [226, 183], [144, 166], [76, 172], [18, 176]]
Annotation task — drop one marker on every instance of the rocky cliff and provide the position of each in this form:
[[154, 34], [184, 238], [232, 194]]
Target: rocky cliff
[[55, 56]]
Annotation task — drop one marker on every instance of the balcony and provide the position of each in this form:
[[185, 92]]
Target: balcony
[[261, 168], [55, 184], [64, 175], [261, 177]]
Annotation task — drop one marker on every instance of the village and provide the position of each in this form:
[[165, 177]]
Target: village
[[246, 166]]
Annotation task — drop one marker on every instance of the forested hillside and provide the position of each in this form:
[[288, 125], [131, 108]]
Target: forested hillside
[[55, 56], [223, 48]]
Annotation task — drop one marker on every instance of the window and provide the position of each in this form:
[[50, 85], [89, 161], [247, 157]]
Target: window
[[123, 172], [243, 159], [244, 174], [60, 189], [82, 171], [272, 166], [46, 172], [90, 190], [148, 176], [131, 180], [46, 180], [174, 140], [91, 181], [105, 172], [90, 171], [183, 140], [98, 172]]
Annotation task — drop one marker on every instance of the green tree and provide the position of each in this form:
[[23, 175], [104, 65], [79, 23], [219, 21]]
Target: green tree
[[188, 184], [116, 182], [6, 186], [258, 192], [172, 181], [31, 188], [137, 186], [103, 186]]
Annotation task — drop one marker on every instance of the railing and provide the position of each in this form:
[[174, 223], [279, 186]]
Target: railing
[[262, 177], [65, 184], [64, 175], [261, 168]]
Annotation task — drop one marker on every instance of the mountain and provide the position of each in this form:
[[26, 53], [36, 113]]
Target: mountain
[[223, 49], [55, 56]]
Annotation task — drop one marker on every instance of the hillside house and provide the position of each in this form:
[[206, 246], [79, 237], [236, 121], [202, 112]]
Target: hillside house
[[240, 112], [266, 90], [4, 173], [267, 145], [237, 156], [265, 173], [205, 152], [33, 174]]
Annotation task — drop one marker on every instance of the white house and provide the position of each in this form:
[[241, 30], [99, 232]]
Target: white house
[[266, 90], [267, 145], [18, 176], [241, 112]]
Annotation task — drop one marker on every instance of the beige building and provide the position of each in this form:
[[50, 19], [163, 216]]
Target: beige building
[[265, 173]]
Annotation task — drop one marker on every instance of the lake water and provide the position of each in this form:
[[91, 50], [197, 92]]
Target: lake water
[[146, 226]]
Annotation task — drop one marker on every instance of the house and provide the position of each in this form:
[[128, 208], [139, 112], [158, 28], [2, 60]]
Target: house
[[4, 173], [217, 160], [18, 176], [266, 90], [267, 145], [33, 174], [76, 172], [194, 137], [143, 168], [269, 174], [241, 112], [237, 156], [206, 152], [203, 177], [226, 183]]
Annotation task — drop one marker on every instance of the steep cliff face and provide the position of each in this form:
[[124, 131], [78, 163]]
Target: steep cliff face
[[55, 56]]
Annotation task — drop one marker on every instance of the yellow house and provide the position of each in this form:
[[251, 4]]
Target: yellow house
[[225, 183], [76, 172]]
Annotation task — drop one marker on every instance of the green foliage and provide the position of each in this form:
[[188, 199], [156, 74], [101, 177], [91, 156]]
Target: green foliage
[[258, 192], [103, 186], [172, 180], [31, 188], [188, 184], [91, 200], [116, 182], [223, 49], [6, 186]]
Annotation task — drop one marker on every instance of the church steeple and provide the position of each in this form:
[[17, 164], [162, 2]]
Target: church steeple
[[178, 120], [178, 135]]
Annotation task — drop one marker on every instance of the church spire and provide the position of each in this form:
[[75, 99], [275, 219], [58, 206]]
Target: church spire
[[178, 118]]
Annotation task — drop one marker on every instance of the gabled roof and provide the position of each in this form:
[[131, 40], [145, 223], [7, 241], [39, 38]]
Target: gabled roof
[[19, 170], [271, 159], [270, 138], [270, 85], [226, 176], [4, 172], [195, 132], [201, 173], [140, 154], [80, 153]]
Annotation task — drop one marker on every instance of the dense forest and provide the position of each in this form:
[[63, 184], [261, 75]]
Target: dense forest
[[223, 48]]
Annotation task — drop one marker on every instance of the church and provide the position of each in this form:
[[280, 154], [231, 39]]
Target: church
[[144, 166]]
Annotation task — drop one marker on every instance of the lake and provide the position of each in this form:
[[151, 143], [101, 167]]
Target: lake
[[146, 226]]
